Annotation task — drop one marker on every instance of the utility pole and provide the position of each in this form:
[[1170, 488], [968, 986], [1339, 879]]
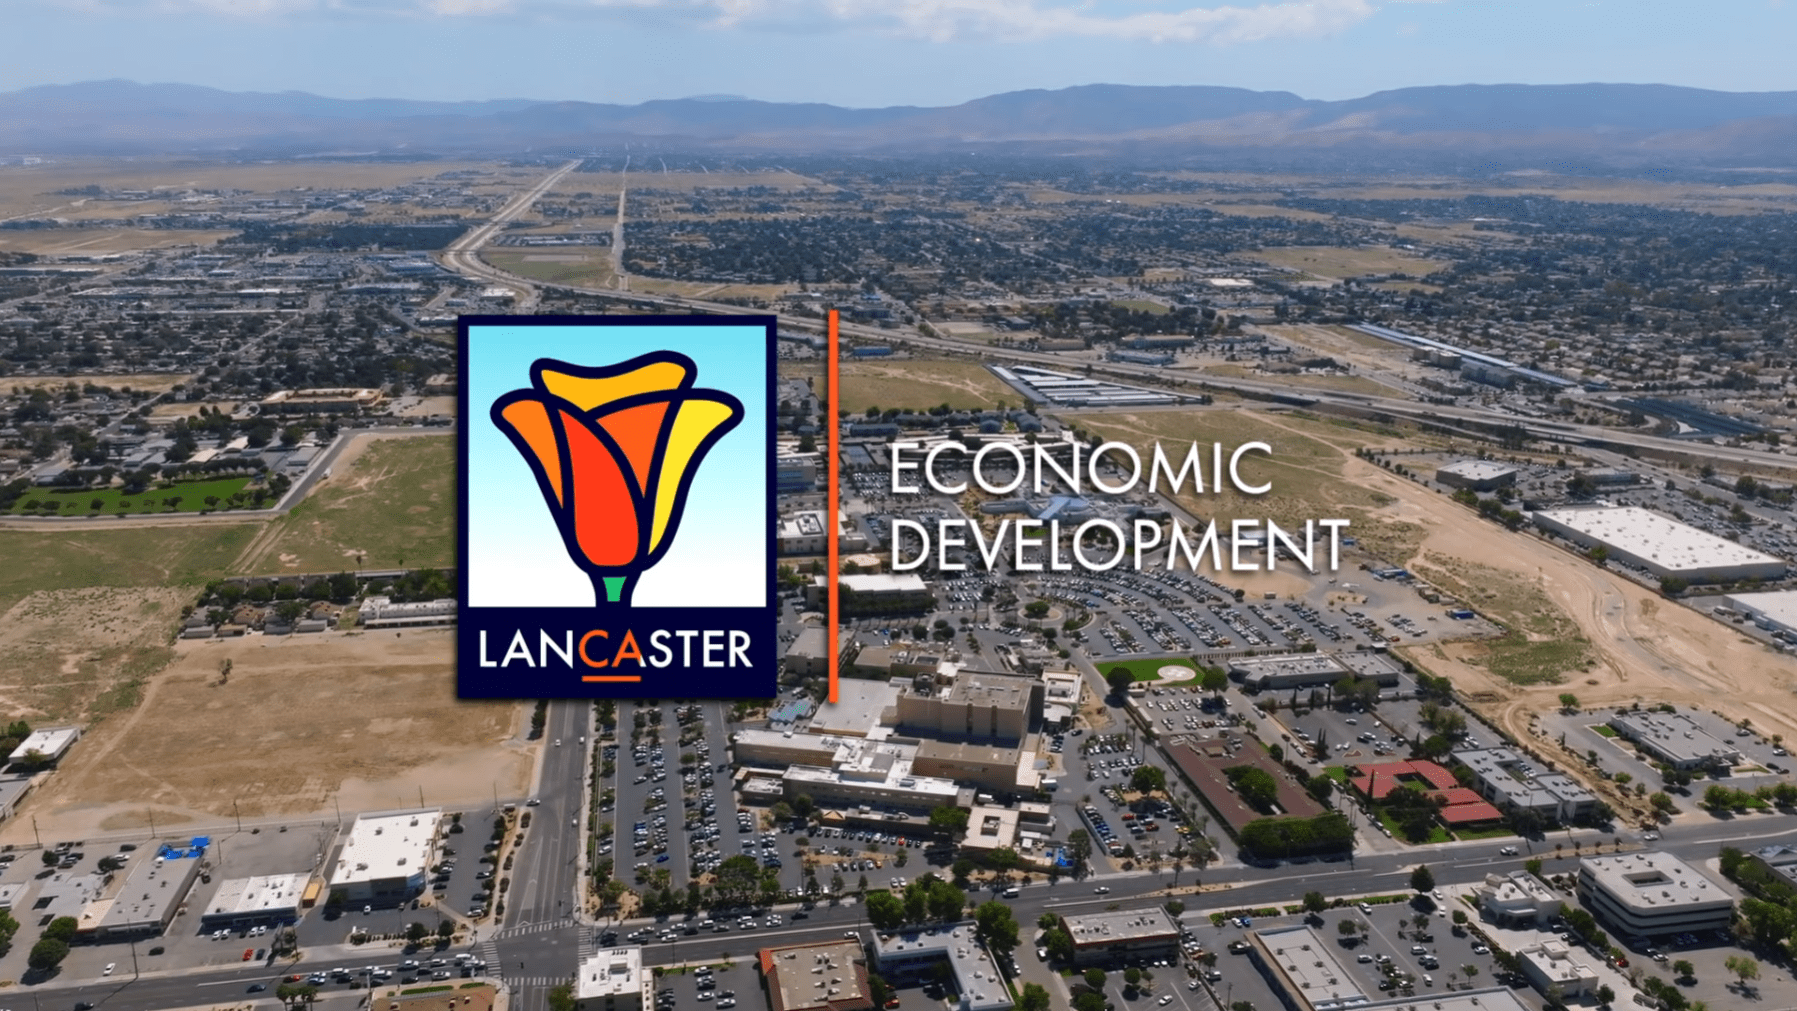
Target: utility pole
[[239, 817], [40, 839]]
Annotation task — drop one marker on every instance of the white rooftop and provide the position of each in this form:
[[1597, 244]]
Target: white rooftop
[[612, 973], [1652, 880], [1658, 539], [1478, 470], [389, 844], [261, 894], [49, 742], [1778, 605]]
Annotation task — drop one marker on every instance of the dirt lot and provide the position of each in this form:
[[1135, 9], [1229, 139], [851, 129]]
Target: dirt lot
[[371, 718], [153, 382], [77, 654]]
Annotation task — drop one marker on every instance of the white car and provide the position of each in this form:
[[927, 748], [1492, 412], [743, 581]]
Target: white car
[[109, 967], [1166, 999]]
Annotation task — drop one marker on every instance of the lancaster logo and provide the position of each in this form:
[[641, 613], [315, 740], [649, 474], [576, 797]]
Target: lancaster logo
[[603, 555]]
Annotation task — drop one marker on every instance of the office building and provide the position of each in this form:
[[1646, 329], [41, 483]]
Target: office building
[[1652, 894], [386, 857]]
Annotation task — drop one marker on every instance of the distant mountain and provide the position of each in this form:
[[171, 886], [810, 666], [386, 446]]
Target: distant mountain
[[1596, 123]]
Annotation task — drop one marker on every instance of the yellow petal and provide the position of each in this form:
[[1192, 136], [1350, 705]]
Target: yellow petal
[[697, 419], [587, 393]]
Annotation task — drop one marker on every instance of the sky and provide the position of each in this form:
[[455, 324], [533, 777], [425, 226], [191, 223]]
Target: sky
[[890, 52]]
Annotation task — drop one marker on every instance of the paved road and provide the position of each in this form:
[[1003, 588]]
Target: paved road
[[463, 255]]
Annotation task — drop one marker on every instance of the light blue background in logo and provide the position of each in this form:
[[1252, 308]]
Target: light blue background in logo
[[516, 557]]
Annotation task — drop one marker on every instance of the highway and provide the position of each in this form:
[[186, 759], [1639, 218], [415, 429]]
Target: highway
[[463, 255]]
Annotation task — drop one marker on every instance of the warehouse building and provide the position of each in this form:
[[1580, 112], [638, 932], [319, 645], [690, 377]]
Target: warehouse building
[[1659, 544], [612, 980], [1773, 610], [914, 953], [386, 857], [1478, 475], [1284, 671], [1118, 937], [1652, 894], [1676, 739]]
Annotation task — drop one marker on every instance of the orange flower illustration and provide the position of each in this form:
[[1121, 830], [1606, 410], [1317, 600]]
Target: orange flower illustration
[[614, 449]]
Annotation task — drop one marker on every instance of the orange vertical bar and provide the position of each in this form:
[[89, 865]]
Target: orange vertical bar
[[832, 563]]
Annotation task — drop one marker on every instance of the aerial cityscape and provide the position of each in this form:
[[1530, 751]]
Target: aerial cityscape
[[1235, 551]]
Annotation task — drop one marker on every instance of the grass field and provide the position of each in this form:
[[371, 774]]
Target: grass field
[[391, 505], [58, 559], [1541, 645], [62, 241], [1145, 670], [113, 501], [920, 384]]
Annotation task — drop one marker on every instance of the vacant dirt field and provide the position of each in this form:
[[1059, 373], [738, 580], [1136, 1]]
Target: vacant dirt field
[[921, 384], [77, 654], [1336, 263], [152, 382], [371, 718]]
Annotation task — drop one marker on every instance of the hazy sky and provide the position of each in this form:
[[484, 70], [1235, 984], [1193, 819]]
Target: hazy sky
[[893, 52]]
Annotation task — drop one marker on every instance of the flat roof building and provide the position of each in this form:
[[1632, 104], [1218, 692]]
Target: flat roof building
[[994, 767], [1774, 610], [911, 954], [1652, 894], [1779, 860], [49, 742], [1121, 936], [153, 891], [1660, 544], [1517, 898], [382, 612], [862, 709], [1304, 969], [975, 705], [319, 401], [247, 902], [1478, 475], [1676, 739], [1550, 964], [1281, 671], [611, 980], [822, 976], [1509, 781], [386, 856]]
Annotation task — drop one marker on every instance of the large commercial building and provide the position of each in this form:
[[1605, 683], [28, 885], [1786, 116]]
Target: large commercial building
[[975, 705], [1676, 739], [823, 976], [1652, 894], [1478, 475], [386, 856], [1661, 545], [1122, 936], [264, 900], [804, 534], [1285, 671], [1778, 859], [612, 980], [999, 768], [870, 774], [382, 612], [1773, 610], [914, 953], [879, 592], [1505, 777]]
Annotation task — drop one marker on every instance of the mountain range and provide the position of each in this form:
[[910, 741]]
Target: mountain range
[[1500, 124]]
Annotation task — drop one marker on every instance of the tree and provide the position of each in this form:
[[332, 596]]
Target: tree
[[1605, 994], [1120, 679], [885, 911], [1214, 680], [416, 931], [47, 954], [1095, 978], [1568, 702], [996, 926], [1684, 968], [1422, 879], [1033, 998], [1745, 967], [1059, 944], [63, 929], [1079, 849], [445, 929], [1315, 902], [1348, 928], [1148, 779], [561, 998]]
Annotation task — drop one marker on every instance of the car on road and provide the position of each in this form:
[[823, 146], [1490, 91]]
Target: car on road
[[257, 987], [1101, 890], [1507, 851], [533, 802], [114, 965], [1651, 837]]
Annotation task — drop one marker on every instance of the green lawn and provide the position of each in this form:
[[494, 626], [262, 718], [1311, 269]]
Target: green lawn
[[1483, 833], [393, 507], [1604, 729], [70, 557], [80, 501], [1146, 670], [1437, 833]]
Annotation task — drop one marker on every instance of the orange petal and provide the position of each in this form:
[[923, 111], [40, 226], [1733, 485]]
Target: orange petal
[[604, 510], [638, 430], [530, 419]]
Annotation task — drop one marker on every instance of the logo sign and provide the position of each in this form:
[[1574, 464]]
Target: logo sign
[[617, 507]]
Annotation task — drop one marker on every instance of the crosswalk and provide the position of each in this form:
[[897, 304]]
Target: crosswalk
[[526, 929], [518, 981]]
